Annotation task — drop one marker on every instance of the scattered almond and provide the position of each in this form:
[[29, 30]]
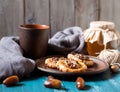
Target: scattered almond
[[52, 83], [10, 81], [80, 83], [114, 68]]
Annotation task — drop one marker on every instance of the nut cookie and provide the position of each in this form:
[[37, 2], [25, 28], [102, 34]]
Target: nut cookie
[[52, 62], [82, 58], [68, 65]]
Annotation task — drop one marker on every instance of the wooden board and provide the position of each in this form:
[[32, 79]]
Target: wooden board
[[110, 11], [104, 82], [11, 16], [86, 11], [37, 11], [61, 15]]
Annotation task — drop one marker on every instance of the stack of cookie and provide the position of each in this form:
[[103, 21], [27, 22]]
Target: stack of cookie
[[74, 62]]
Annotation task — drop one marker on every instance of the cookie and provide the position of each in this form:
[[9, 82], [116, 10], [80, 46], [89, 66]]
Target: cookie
[[51, 62], [71, 66], [82, 58]]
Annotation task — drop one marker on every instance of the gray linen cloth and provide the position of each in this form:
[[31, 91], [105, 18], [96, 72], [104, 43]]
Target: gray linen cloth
[[12, 61], [69, 40]]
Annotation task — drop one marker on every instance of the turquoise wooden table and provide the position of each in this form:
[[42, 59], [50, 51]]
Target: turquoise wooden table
[[104, 82]]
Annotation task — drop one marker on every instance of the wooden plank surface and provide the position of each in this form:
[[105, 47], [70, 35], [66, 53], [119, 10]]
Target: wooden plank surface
[[61, 15], [110, 11], [103, 82], [86, 11], [11, 16], [37, 11]]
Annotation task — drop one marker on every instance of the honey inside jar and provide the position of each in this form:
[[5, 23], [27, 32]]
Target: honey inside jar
[[94, 48]]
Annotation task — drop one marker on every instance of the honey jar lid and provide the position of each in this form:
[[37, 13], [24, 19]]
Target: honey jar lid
[[100, 36], [103, 25]]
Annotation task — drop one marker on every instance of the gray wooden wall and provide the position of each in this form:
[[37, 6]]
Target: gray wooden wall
[[59, 14]]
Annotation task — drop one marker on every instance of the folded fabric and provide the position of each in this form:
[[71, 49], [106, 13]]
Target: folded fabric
[[66, 41], [12, 62]]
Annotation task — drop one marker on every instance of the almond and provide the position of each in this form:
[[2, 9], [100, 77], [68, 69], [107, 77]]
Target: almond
[[11, 80]]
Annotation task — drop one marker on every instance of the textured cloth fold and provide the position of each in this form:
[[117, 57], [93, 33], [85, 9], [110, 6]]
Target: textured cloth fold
[[12, 62], [66, 41], [100, 36]]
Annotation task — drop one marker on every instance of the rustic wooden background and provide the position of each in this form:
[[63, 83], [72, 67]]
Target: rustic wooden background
[[59, 14]]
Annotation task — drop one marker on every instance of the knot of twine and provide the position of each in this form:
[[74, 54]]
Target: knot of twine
[[110, 56]]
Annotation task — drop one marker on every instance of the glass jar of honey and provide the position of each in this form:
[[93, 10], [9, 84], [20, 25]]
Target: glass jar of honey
[[99, 36]]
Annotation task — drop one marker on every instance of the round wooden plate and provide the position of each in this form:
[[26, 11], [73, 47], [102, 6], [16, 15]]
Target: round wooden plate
[[99, 67]]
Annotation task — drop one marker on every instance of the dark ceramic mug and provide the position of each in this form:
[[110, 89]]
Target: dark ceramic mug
[[33, 40]]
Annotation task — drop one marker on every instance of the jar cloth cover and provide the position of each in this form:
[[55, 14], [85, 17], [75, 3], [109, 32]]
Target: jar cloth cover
[[101, 35]]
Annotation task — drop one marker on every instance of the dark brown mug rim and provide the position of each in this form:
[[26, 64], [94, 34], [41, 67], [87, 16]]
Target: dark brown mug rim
[[34, 26]]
